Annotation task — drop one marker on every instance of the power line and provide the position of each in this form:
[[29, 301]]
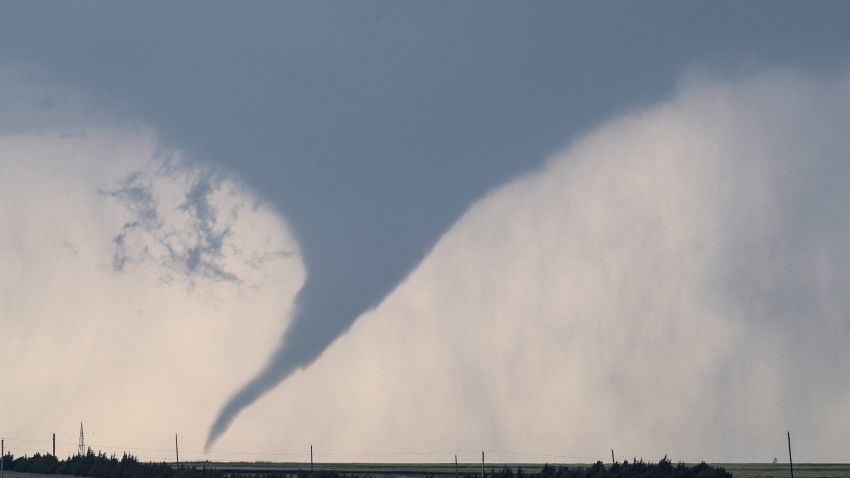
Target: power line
[[166, 454]]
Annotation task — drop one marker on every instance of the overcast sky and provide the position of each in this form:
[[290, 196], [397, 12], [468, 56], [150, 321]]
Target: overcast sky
[[299, 161]]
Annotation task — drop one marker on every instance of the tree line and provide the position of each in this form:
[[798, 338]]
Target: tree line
[[99, 465]]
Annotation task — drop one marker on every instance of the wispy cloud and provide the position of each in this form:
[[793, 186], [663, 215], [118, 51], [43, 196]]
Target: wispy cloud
[[187, 233]]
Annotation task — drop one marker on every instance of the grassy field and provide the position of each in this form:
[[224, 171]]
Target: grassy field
[[803, 470], [738, 470]]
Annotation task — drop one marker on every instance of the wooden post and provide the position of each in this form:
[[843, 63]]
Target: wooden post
[[311, 458], [612, 457], [790, 460], [176, 451], [482, 463]]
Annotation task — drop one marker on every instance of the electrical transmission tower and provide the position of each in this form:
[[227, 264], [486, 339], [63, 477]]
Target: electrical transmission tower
[[81, 449]]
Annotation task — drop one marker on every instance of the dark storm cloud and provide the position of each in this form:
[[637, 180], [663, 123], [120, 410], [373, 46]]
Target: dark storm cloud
[[372, 126]]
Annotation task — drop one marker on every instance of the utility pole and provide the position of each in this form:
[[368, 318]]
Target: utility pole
[[790, 460], [612, 457], [176, 450], [482, 463], [311, 458], [54, 445], [455, 465], [2, 455]]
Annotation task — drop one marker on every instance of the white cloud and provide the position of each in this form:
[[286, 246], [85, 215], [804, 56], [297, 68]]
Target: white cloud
[[141, 351], [676, 282]]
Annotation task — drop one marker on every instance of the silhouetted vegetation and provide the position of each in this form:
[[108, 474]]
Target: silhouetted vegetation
[[636, 469], [99, 465]]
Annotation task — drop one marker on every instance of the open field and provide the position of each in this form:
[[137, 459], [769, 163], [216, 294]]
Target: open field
[[802, 470], [738, 470]]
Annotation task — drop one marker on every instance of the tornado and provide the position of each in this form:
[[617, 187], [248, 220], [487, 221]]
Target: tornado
[[337, 290]]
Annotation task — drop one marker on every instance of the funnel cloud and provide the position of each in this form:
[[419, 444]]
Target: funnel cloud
[[372, 127]]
